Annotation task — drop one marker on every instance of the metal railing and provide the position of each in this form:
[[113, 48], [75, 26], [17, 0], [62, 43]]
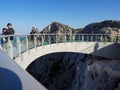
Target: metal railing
[[23, 43]]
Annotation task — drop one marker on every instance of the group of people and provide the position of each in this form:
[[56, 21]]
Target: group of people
[[8, 31], [34, 31]]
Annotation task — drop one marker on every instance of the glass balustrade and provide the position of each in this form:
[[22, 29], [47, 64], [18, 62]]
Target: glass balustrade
[[23, 43]]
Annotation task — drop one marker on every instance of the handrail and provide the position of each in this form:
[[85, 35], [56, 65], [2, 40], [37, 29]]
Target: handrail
[[17, 46], [54, 34]]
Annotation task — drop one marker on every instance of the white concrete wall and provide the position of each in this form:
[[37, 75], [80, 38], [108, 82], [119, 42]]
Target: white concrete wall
[[95, 48], [13, 77]]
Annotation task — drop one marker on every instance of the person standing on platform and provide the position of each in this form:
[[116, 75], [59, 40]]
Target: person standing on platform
[[10, 30]]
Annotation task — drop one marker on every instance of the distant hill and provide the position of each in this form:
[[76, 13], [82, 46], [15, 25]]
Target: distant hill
[[58, 28], [78, 30], [104, 27], [107, 26]]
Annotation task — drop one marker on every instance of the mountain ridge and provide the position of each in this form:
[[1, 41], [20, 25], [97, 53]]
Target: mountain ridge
[[58, 28], [102, 27]]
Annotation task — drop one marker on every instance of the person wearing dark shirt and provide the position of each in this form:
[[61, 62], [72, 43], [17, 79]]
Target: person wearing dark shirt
[[33, 32], [10, 31]]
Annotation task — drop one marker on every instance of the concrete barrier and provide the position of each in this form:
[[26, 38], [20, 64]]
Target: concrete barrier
[[108, 50]]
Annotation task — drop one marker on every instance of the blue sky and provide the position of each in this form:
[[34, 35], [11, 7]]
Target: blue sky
[[24, 14]]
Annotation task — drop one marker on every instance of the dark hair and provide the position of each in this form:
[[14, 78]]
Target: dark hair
[[9, 24], [4, 28]]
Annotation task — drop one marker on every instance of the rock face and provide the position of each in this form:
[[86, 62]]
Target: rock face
[[103, 75], [58, 28], [53, 71], [75, 71], [102, 27]]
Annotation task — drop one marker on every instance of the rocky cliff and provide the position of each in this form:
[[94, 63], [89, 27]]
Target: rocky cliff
[[58, 28], [107, 26], [75, 71]]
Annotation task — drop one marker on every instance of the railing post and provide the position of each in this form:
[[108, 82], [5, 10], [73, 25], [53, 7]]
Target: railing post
[[101, 38], [42, 40], [49, 39], [27, 46], [18, 45], [73, 37], [56, 39], [82, 38], [91, 38], [95, 37], [65, 38], [70, 37], [35, 43], [10, 48], [78, 37], [87, 38]]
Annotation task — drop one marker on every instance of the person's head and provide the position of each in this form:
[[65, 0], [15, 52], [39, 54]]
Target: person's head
[[4, 30], [9, 25]]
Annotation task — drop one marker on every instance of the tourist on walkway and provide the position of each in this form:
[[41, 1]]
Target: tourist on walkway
[[10, 30], [34, 31], [5, 31]]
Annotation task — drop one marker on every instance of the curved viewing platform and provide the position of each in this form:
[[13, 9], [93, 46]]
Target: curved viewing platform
[[23, 43]]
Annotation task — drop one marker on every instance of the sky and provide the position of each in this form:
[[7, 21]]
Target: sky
[[23, 14]]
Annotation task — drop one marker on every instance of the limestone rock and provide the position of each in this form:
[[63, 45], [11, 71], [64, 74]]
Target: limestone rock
[[74, 71], [102, 27], [103, 75], [58, 28]]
